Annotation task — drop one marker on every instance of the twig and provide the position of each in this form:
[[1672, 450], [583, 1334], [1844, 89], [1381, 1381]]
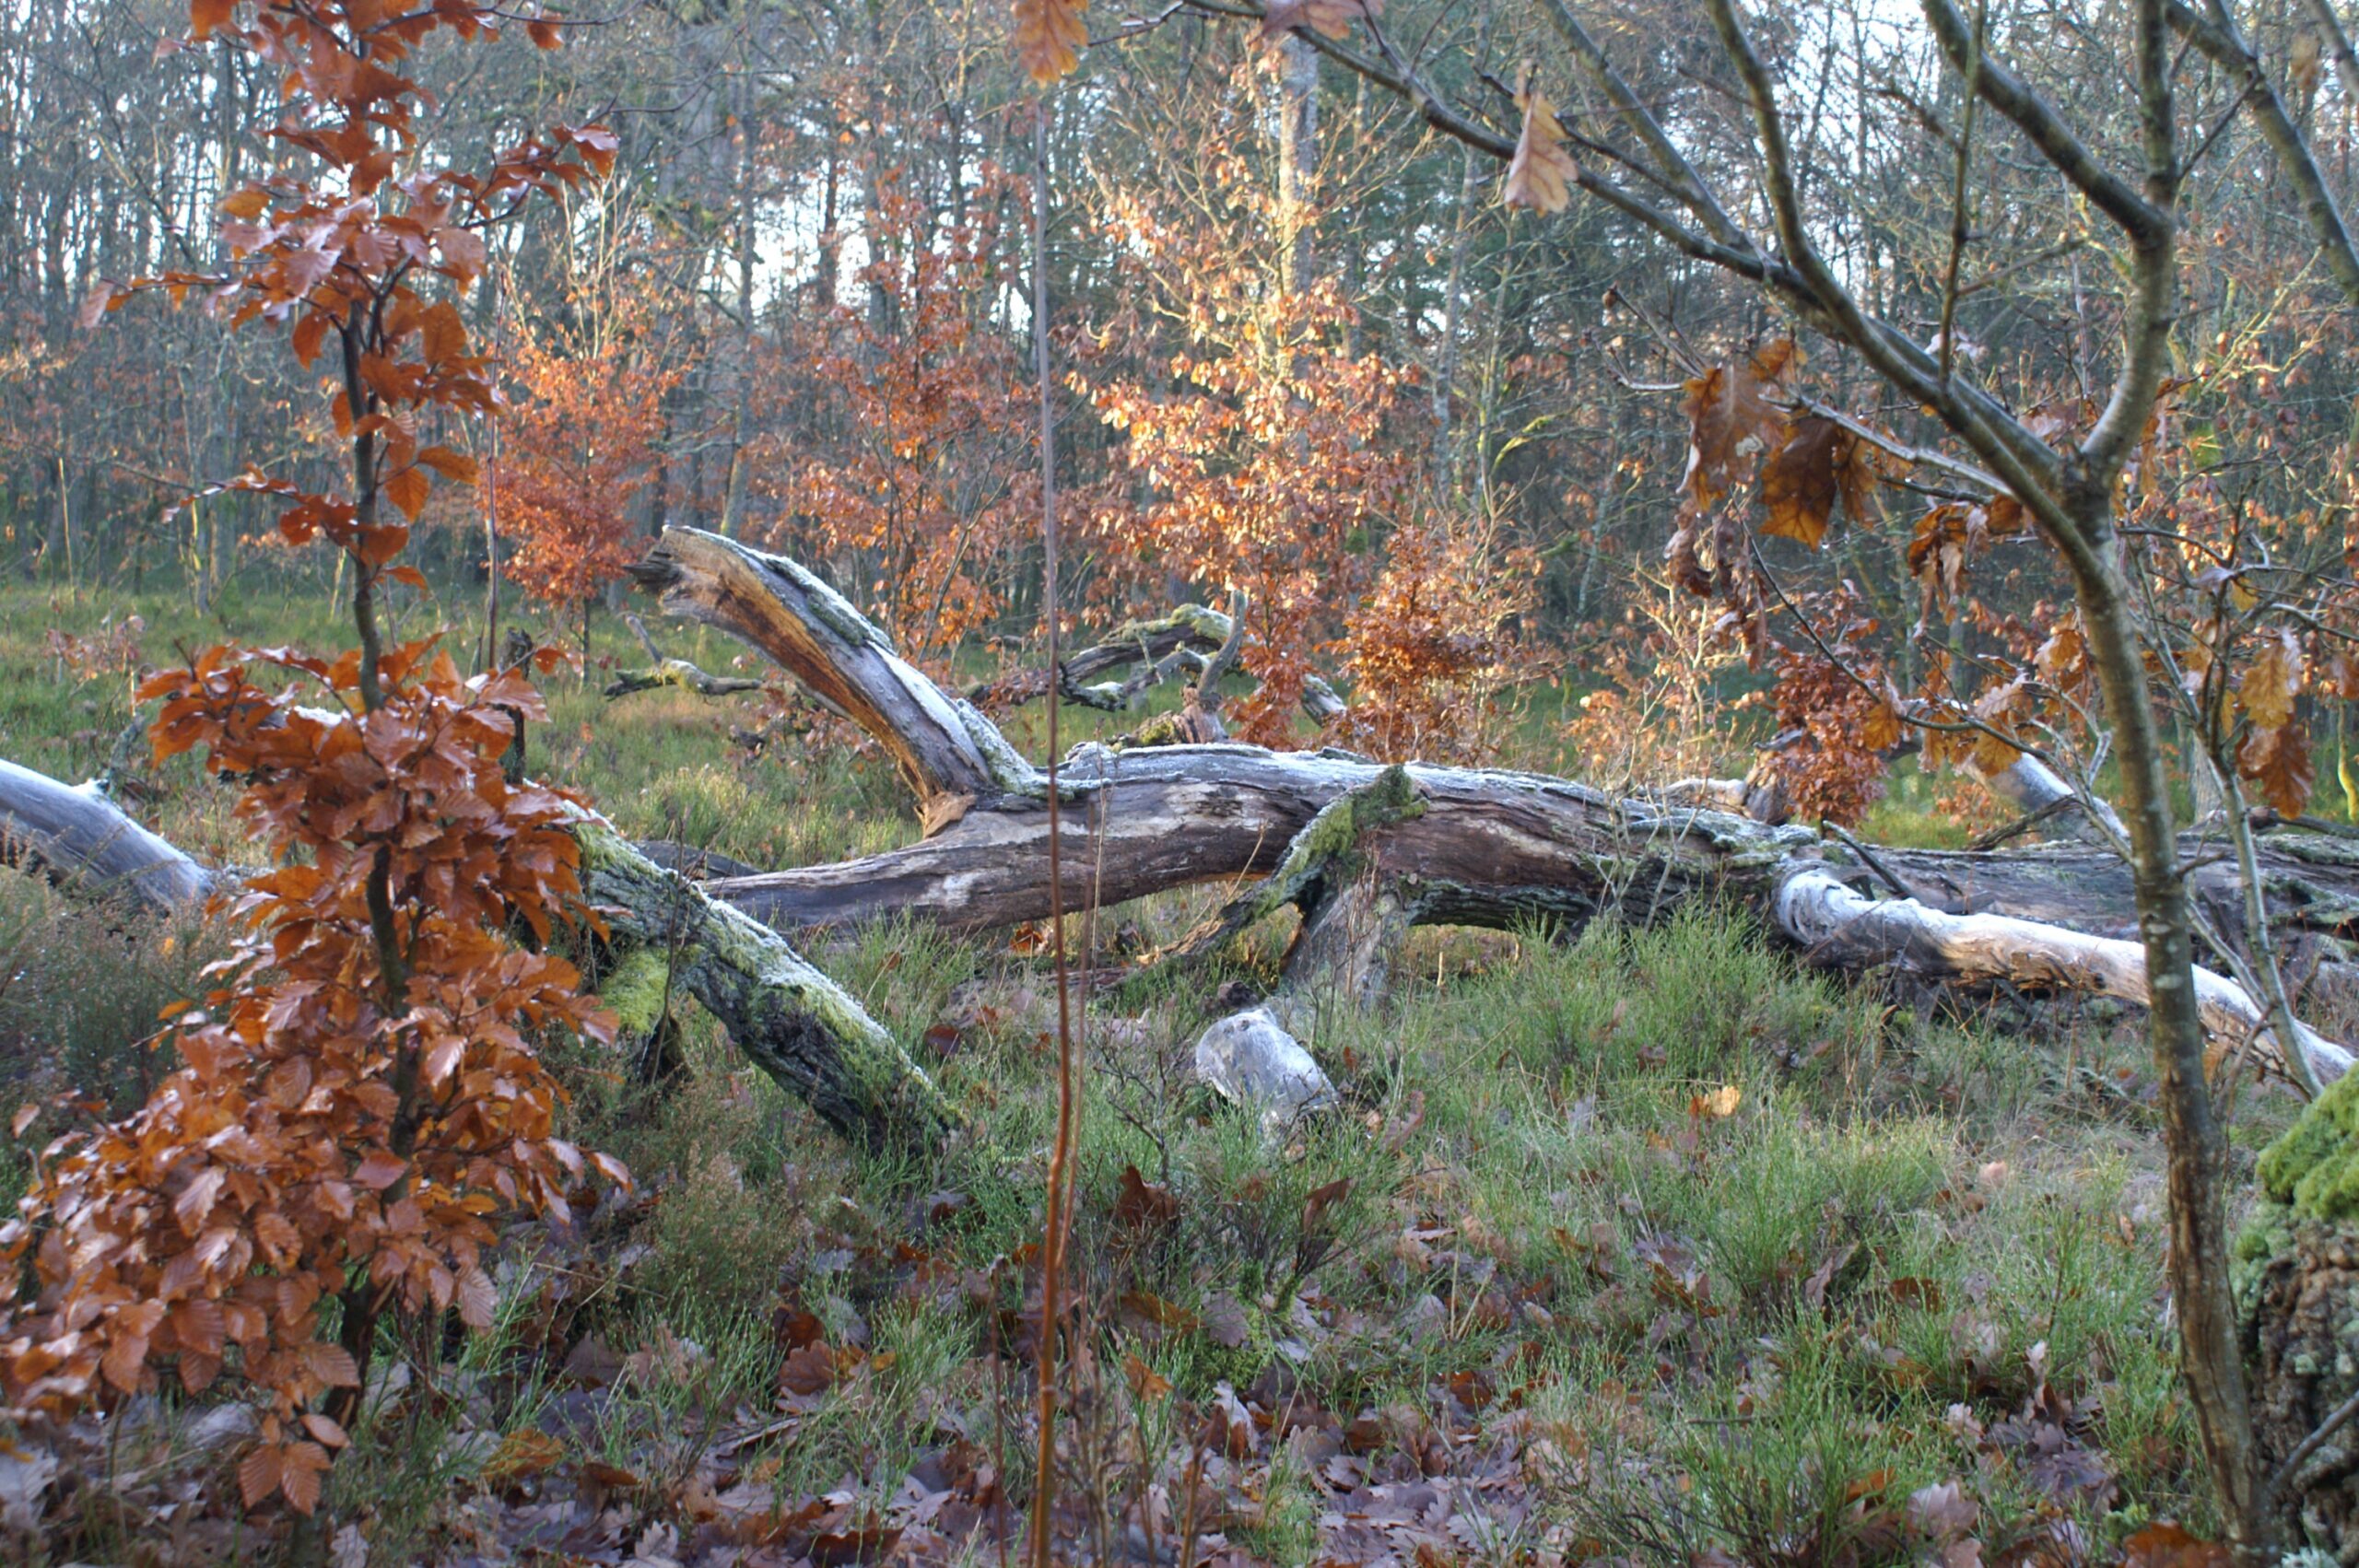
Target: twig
[[2310, 1444], [1868, 855], [2022, 823], [1052, 1246]]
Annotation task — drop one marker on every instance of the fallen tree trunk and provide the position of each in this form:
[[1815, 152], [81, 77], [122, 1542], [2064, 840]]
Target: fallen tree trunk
[[790, 1020], [1489, 848], [1363, 851], [74, 837], [665, 934]]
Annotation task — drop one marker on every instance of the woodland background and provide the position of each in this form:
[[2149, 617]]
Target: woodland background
[[797, 315], [1647, 1247]]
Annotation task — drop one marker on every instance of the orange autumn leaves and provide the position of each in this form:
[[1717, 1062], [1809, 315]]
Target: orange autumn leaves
[[1051, 34], [359, 1095], [2274, 753], [578, 454], [283, 1165]]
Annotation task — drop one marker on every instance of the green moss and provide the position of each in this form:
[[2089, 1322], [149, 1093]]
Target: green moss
[[1327, 847], [638, 988], [2315, 1166]]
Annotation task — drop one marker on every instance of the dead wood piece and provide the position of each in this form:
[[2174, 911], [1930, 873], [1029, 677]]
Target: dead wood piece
[[75, 836], [793, 1022], [946, 749], [665, 937], [661, 672], [1253, 1059], [697, 865], [1488, 848], [1188, 641], [1352, 923], [678, 672], [1840, 928]]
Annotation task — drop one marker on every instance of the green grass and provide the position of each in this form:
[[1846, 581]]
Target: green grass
[[1739, 1317]]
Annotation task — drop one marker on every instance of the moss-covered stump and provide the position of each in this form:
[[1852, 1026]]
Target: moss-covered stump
[[2297, 1282]]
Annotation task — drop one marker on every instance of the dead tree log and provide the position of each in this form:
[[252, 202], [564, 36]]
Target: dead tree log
[[1489, 848], [661, 672], [790, 1020], [71, 835], [666, 936]]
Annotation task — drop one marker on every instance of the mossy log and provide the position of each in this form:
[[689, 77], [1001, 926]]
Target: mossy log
[[790, 1020], [665, 937]]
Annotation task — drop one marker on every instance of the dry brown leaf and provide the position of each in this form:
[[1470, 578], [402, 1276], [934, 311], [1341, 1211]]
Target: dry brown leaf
[[522, 1454], [811, 1369], [1145, 1381], [1720, 1103], [1141, 1204], [2304, 62], [1730, 422], [1883, 726], [1049, 36], [2278, 761], [1800, 483], [1542, 172], [2169, 1545], [1320, 1199], [2271, 680]]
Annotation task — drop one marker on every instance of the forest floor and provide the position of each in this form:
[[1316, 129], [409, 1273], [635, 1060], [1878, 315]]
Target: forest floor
[[1643, 1246]]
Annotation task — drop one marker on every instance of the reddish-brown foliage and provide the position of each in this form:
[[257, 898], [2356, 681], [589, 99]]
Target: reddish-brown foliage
[[577, 450], [1256, 450], [1434, 645], [360, 1094], [929, 477]]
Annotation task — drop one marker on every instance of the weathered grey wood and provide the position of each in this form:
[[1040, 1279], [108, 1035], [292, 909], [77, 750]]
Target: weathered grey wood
[[1501, 849], [73, 835], [1842, 928], [950, 754], [1187, 637]]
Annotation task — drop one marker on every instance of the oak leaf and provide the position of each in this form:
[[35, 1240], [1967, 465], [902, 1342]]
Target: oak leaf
[[1141, 1204], [2278, 761], [1732, 421], [2166, 1545], [1049, 37], [1798, 484], [2271, 680], [522, 1454]]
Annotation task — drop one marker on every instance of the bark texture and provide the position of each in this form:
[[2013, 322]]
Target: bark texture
[[73, 835]]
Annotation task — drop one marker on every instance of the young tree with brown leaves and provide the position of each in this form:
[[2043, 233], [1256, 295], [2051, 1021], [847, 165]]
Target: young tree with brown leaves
[[361, 1094]]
